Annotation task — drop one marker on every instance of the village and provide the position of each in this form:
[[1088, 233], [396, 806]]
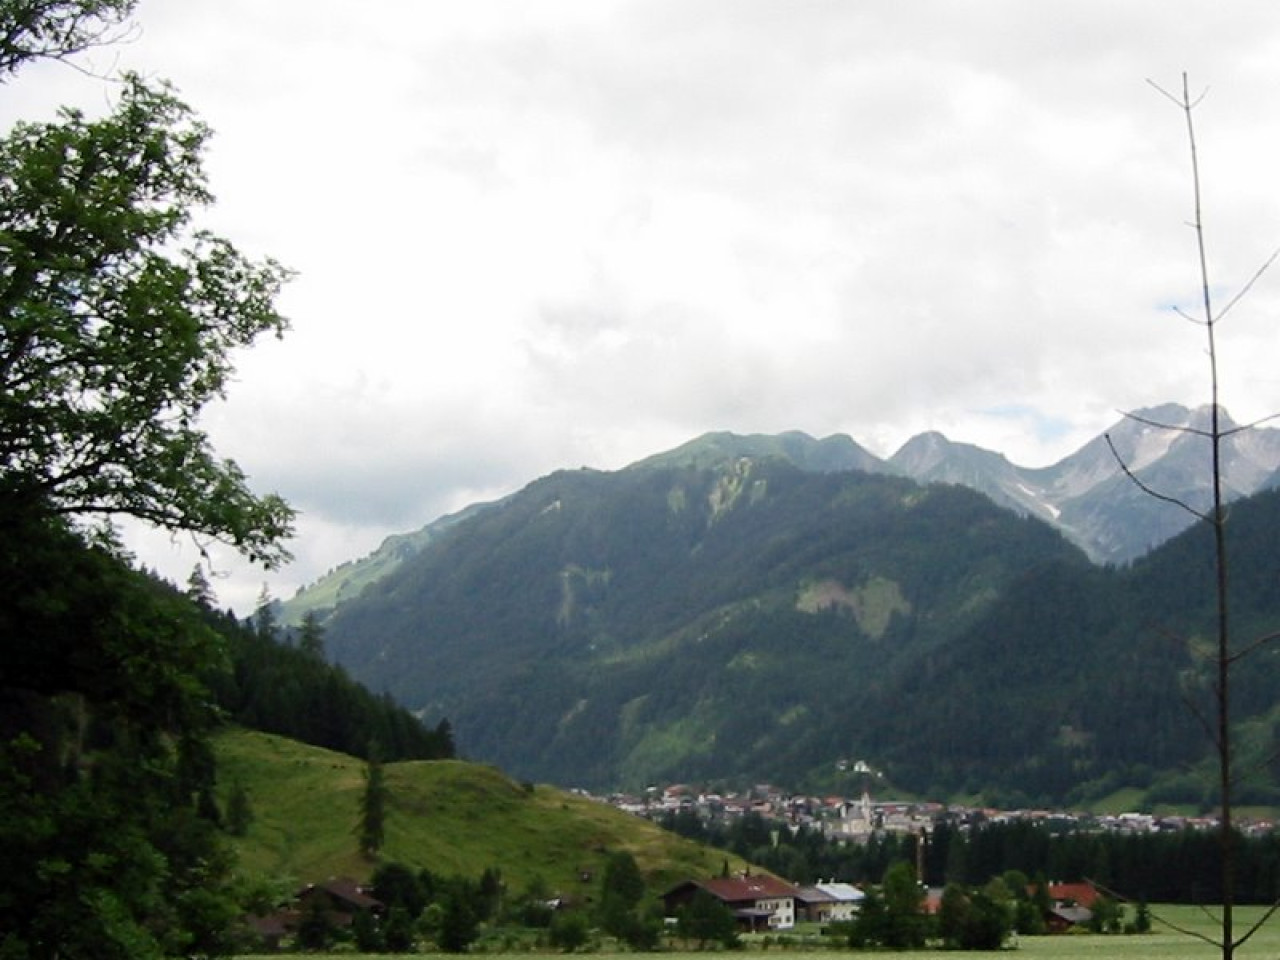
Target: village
[[842, 818]]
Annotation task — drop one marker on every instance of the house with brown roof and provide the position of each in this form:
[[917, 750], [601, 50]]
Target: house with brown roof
[[338, 898], [758, 902], [341, 898]]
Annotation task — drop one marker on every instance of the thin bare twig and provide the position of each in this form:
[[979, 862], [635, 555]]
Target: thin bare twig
[[1253, 647], [1200, 717], [1156, 915], [1180, 102], [1249, 426], [1258, 924], [1172, 428], [1149, 490], [1188, 317], [1257, 275]]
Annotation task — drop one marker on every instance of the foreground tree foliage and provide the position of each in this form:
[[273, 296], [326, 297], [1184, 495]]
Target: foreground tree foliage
[[117, 324], [56, 29], [107, 828]]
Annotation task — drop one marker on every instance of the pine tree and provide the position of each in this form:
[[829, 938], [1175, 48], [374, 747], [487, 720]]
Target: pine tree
[[239, 813], [311, 637], [373, 808], [198, 589]]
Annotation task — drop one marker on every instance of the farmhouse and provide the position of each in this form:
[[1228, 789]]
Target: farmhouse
[[830, 902], [339, 899], [758, 902], [1070, 905]]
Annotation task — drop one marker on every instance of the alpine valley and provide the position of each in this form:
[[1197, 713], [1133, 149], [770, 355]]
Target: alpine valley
[[794, 610]]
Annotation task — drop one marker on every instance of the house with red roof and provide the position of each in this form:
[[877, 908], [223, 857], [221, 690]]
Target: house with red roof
[[1082, 894]]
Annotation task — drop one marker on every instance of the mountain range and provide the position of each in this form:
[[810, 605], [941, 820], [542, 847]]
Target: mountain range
[[776, 607], [1086, 495]]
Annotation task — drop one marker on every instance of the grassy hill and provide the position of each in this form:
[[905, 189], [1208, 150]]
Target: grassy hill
[[449, 816]]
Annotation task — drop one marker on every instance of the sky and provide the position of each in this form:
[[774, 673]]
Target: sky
[[541, 235]]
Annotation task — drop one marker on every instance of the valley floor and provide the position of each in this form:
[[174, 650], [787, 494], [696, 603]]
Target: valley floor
[[1163, 944]]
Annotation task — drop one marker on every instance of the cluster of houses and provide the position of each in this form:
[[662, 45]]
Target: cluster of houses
[[843, 818], [761, 903]]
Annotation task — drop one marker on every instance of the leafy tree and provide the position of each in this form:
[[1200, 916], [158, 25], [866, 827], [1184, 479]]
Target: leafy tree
[[569, 931], [102, 770], [1107, 916], [706, 920], [365, 932], [904, 926], [398, 886], [869, 927], [398, 936], [973, 920], [117, 323], [1142, 918], [489, 893], [953, 910], [986, 925], [457, 920], [622, 889], [622, 879], [57, 29]]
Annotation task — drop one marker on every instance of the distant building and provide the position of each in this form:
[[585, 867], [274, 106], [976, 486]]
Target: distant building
[[758, 902], [830, 902]]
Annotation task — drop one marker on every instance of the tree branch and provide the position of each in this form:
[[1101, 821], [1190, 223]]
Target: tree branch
[[1149, 490]]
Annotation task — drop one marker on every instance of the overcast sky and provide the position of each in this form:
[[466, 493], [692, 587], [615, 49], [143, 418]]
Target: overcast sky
[[534, 235]]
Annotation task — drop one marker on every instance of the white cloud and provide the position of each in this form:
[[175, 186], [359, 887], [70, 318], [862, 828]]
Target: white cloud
[[563, 234]]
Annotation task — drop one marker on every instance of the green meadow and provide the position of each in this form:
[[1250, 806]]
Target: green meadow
[[448, 816]]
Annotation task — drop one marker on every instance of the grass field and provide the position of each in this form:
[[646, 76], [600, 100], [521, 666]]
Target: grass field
[[1162, 944]]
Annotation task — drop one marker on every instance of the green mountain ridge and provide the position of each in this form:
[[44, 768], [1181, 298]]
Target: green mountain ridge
[[603, 628], [1086, 495], [713, 614], [448, 816]]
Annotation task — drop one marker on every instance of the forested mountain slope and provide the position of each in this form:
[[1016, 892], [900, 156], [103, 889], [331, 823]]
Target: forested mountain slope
[[602, 628], [755, 621], [1082, 680]]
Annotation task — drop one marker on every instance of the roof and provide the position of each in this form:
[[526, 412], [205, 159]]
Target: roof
[[842, 892], [755, 887], [345, 890], [815, 895], [1083, 894], [749, 889]]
